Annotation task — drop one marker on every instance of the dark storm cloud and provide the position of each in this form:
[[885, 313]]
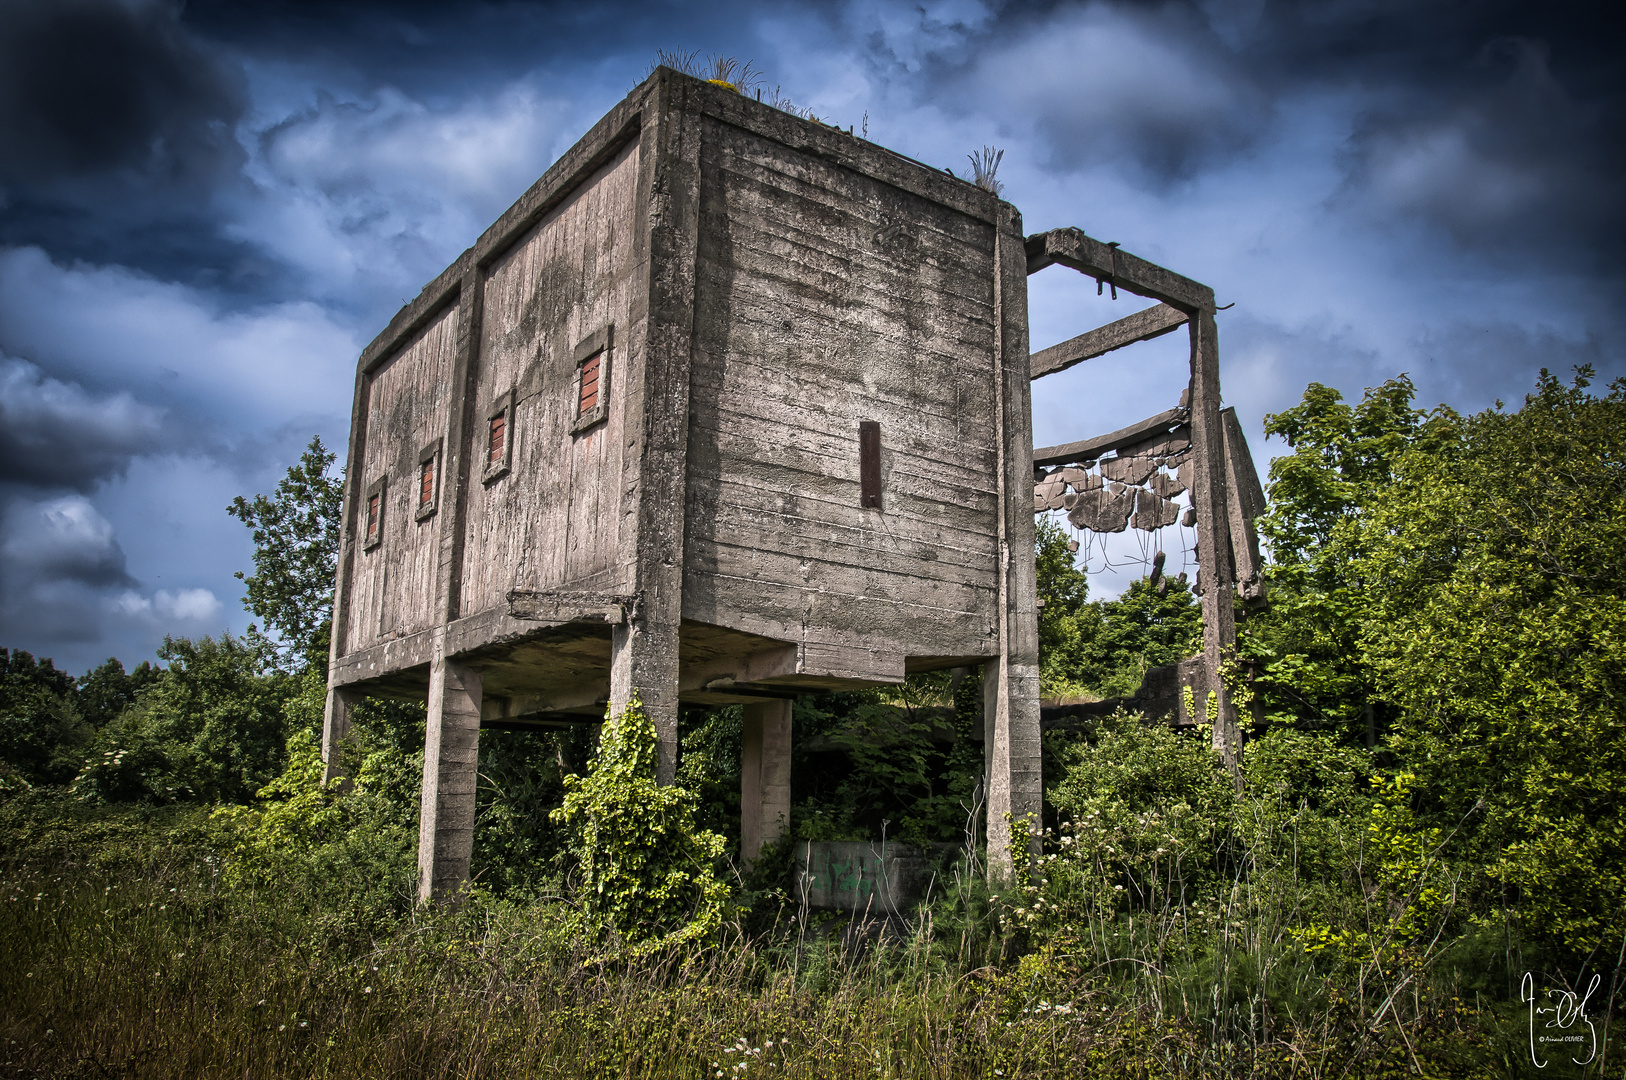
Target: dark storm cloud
[[439, 47], [59, 540], [168, 237], [96, 86], [117, 131], [1509, 159], [1500, 123], [1152, 87], [55, 434]]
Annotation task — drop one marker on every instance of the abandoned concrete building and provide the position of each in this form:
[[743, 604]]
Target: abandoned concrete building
[[730, 406]]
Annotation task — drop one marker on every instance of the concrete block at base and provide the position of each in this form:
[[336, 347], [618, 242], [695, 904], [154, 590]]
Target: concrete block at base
[[868, 878]]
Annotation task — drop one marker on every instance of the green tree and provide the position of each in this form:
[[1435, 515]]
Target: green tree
[[296, 550], [1344, 456], [42, 735], [1066, 620], [211, 728], [102, 693], [1104, 647], [1494, 565], [1145, 627]]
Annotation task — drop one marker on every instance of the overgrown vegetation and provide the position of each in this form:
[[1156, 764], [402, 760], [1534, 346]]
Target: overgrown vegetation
[[1429, 816], [731, 74]]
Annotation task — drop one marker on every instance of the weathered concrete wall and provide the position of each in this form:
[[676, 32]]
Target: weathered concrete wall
[[392, 587], [824, 298], [554, 517]]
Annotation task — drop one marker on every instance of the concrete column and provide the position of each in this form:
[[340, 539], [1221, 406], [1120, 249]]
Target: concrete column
[[643, 660], [654, 381], [1011, 681], [450, 757], [1215, 572], [1015, 781], [764, 776], [335, 733]]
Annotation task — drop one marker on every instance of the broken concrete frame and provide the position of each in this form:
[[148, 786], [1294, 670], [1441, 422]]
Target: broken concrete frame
[[1157, 440], [751, 290], [1192, 303]]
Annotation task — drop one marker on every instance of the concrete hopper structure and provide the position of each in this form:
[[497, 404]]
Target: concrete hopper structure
[[729, 406]]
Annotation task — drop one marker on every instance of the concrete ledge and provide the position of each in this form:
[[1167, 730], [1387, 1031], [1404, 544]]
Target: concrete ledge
[[387, 658]]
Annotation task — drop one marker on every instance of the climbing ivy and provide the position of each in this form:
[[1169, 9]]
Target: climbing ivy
[[645, 873]]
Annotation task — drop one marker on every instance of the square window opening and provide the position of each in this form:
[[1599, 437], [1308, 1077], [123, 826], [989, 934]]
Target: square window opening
[[373, 506], [428, 480], [592, 359], [499, 437]]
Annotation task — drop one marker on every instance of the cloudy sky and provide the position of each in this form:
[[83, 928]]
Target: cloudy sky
[[206, 210]]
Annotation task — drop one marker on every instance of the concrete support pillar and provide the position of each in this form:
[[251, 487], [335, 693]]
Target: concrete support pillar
[[1216, 573], [450, 757], [643, 661], [644, 653], [764, 776], [335, 733], [1012, 755], [1010, 682]]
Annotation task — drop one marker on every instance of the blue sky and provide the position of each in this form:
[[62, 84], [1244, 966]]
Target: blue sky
[[207, 210]]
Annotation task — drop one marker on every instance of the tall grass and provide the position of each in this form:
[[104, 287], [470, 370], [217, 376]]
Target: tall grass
[[163, 974], [125, 950]]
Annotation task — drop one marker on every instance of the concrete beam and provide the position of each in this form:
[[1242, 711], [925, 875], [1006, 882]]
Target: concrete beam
[[775, 663], [556, 606], [588, 701], [1090, 449], [1145, 325], [383, 659], [1104, 262]]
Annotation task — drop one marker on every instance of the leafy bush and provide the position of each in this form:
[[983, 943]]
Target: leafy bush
[[1496, 570], [900, 763], [1142, 814], [644, 874], [351, 849]]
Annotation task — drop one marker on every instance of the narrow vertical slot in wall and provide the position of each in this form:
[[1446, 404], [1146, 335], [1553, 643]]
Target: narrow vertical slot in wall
[[869, 464]]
